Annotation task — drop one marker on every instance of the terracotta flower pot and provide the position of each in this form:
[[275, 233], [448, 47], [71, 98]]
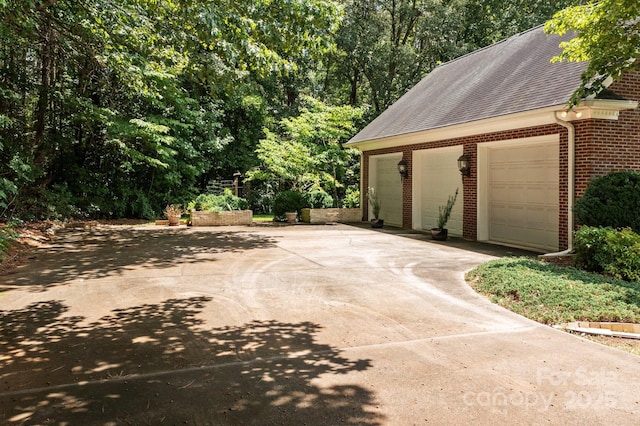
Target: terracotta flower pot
[[291, 217], [174, 220]]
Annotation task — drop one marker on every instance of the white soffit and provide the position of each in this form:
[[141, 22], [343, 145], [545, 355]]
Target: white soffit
[[589, 109]]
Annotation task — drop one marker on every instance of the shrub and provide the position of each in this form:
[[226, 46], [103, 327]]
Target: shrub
[[612, 200], [287, 201], [609, 251], [318, 199], [352, 198], [224, 202]]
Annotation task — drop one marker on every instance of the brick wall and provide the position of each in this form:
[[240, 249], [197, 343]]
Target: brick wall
[[224, 218], [470, 223], [604, 146]]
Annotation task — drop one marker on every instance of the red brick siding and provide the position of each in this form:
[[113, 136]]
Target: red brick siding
[[469, 144], [604, 146]]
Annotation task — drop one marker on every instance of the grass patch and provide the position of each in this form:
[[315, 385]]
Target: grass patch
[[262, 217], [552, 294]]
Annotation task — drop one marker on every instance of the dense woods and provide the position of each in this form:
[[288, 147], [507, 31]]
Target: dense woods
[[115, 108]]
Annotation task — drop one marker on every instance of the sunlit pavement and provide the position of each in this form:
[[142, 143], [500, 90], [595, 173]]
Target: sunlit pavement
[[316, 325]]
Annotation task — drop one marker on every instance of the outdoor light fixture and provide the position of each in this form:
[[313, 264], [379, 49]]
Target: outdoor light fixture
[[403, 169], [464, 165]]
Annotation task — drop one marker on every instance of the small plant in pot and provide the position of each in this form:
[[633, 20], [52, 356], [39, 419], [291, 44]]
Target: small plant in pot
[[173, 212], [374, 201], [287, 206], [440, 233]]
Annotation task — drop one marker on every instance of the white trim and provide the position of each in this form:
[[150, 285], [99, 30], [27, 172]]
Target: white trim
[[596, 108], [482, 179]]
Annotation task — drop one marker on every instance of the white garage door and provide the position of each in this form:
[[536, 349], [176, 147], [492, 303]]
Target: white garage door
[[437, 177], [386, 181], [523, 195]]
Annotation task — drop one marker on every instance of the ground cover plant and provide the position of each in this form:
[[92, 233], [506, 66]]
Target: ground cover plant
[[8, 237], [218, 203], [552, 294]]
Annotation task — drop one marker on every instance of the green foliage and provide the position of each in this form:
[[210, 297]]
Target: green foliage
[[611, 200], [587, 244], [608, 36], [552, 295], [122, 104], [224, 202], [317, 199], [287, 201], [610, 251], [352, 197], [386, 46], [8, 236], [444, 212], [307, 151]]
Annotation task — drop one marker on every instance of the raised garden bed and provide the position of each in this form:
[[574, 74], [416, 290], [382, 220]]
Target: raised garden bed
[[331, 215], [224, 218]]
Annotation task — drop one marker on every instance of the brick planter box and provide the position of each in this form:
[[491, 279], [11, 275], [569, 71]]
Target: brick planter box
[[331, 215], [226, 218]]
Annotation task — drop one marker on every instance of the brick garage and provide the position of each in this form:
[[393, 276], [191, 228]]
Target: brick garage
[[597, 137]]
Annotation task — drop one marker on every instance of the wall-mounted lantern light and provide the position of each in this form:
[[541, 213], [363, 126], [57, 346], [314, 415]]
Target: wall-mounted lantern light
[[464, 165], [403, 169]]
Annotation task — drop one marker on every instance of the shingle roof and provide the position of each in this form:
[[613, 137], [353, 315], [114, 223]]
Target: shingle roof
[[511, 76]]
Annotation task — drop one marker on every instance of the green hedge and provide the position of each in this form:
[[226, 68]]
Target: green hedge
[[612, 200], [225, 202], [287, 201], [614, 252]]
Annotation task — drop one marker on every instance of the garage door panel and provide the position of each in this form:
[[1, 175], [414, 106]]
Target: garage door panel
[[439, 179], [523, 194], [389, 190]]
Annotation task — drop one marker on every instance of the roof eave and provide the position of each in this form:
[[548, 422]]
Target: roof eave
[[495, 124], [587, 109]]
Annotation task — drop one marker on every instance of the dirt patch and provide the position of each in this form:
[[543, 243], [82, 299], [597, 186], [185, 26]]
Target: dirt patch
[[627, 345], [33, 235], [30, 236]]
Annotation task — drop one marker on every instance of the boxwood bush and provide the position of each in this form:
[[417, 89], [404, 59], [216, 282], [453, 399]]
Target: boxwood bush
[[612, 200], [287, 201], [614, 252]]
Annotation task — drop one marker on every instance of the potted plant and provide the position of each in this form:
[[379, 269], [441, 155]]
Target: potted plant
[[173, 212], [287, 206], [440, 233], [374, 201]]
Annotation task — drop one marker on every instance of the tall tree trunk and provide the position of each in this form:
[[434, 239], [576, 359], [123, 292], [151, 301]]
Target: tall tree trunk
[[353, 96], [43, 94]]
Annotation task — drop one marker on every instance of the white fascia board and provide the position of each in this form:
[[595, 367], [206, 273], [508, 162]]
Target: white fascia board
[[588, 109], [520, 120]]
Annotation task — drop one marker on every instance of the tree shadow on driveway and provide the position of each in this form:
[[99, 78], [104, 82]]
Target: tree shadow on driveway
[[107, 252], [158, 363]]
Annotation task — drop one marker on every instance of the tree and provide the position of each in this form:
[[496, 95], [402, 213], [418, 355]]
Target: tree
[[607, 36], [115, 108], [307, 151], [386, 46]]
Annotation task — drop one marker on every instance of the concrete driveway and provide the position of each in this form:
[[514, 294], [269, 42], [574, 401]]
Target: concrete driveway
[[316, 325]]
